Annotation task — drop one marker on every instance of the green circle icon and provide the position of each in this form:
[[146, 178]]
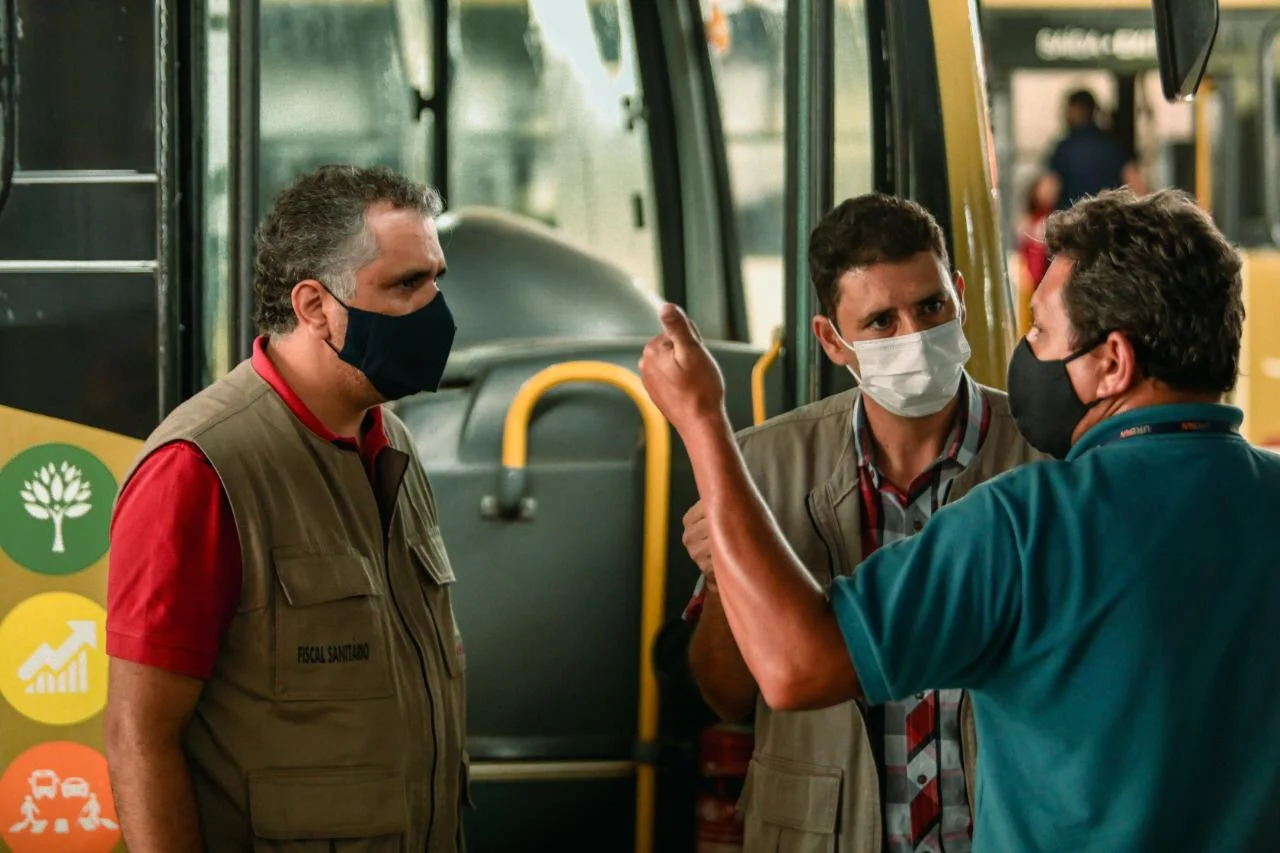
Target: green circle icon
[[55, 509]]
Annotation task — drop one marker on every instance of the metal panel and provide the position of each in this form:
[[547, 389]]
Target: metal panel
[[81, 347], [66, 220], [810, 123], [87, 73]]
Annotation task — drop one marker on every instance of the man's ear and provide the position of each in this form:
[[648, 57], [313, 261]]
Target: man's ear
[[831, 345], [308, 298], [961, 311], [1117, 365]]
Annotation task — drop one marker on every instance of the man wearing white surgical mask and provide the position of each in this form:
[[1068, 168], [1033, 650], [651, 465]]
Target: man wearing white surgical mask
[[843, 477]]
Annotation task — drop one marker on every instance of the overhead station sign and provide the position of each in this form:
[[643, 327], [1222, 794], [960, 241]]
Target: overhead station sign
[[1119, 43], [1078, 44]]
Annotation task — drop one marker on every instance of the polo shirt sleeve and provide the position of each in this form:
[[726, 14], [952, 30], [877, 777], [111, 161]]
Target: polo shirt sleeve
[[937, 610], [175, 568]]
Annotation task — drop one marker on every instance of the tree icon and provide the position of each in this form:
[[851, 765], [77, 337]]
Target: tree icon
[[57, 493]]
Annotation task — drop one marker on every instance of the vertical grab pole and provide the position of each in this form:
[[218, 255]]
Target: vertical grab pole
[[657, 496]]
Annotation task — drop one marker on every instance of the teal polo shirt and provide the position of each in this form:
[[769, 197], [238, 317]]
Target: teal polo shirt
[[1116, 617]]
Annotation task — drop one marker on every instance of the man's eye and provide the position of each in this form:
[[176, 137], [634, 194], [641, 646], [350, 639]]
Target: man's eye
[[933, 306], [880, 323]]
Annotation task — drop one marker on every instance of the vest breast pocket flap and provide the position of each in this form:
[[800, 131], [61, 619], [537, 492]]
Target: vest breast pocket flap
[[318, 810], [790, 807], [330, 628], [437, 577], [433, 558]]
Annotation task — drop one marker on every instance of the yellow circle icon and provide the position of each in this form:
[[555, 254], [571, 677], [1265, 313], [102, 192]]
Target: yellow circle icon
[[53, 661]]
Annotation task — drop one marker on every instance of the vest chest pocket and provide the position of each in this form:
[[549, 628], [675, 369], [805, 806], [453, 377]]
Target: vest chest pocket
[[320, 810], [436, 575], [330, 628], [790, 807]]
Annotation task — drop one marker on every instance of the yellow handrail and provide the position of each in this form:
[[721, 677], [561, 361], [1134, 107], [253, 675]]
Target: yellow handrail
[[758, 372], [1204, 146], [657, 484]]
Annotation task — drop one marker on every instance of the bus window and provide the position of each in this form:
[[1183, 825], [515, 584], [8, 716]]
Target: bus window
[[747, 45], [854, 143], [544, 121], [543, 109], [334, 90]]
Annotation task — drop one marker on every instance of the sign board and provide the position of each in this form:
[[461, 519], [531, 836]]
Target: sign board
[[58, 482], [1117, 42]]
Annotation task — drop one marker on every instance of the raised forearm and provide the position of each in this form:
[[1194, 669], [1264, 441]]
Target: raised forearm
[[780, 617], [722, 676]]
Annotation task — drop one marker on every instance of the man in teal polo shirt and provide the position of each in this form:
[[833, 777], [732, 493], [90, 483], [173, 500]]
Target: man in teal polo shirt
[[1115, 614]]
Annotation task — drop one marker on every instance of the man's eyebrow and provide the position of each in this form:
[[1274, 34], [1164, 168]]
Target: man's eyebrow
[[416, 274], [870, 316]]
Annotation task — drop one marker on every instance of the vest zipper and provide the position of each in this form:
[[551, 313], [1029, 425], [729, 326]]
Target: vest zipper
[[422, 665]]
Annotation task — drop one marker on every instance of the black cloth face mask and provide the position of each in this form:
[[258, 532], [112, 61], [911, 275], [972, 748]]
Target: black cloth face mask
[[1045, 406], [400, 354]]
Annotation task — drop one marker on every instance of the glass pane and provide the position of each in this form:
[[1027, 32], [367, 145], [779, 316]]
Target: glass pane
[[747, 44], [539, 125], [334, 90], [94, 339], [87, 71], [217, 327], [417, 43], [855, 157]]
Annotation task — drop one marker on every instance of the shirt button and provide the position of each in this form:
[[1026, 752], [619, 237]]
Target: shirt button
[[922, 778], [918, 525]]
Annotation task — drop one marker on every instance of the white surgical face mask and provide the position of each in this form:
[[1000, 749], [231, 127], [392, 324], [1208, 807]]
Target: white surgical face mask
[[915, 375]]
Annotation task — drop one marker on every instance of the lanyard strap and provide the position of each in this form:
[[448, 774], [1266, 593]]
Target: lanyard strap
[[1163, 428]]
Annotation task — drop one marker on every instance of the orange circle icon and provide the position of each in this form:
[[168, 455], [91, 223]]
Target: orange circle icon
[[56, 798]]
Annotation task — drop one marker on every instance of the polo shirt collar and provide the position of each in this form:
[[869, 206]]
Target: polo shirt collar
[[1099, 433], [375, 436]]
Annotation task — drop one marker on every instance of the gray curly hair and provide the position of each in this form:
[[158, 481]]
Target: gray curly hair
[[317, 230]]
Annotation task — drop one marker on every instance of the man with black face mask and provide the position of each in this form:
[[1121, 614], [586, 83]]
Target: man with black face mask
[[285, 666], [1112, 612]]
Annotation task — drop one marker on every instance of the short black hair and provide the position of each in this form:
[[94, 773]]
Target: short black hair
[[1156, 268], [866, 230], [1083, 99], [316, 229]]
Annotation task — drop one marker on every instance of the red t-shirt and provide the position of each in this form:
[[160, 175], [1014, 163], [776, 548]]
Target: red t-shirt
[[175, 565]]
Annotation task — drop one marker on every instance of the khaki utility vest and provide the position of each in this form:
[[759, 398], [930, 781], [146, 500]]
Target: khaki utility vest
[[813, 785], [335, 715]]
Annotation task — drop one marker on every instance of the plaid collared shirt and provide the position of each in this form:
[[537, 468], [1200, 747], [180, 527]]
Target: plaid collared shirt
[[920, 757]]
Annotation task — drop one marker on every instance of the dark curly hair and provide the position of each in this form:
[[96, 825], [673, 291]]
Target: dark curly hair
[[1156, 268], [866, 230], [316, 230]]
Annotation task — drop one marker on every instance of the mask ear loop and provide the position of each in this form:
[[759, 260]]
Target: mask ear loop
[[847, 346], [1081, 353], [345, 307]]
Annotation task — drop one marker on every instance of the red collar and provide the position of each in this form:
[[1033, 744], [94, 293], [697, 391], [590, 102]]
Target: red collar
[[373, 429]]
